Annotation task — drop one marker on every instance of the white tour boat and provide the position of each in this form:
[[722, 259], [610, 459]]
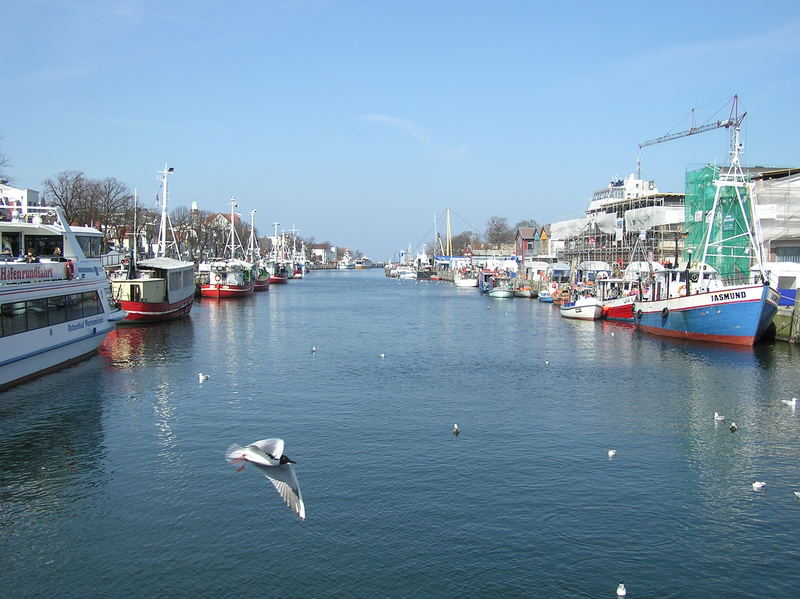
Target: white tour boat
[[57, 309]]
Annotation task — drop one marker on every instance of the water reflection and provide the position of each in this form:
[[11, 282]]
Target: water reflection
[[51, 447]]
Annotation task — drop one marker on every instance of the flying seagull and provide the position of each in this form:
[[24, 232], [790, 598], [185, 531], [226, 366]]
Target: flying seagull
[[267, 455], [202, 377], [797, 494]]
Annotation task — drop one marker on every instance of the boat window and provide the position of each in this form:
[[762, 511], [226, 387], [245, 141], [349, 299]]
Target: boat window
[[91, 303], [43, 245], [91, 246], [188, 278], [74, 308], [13, 317], [175, 280], [19, 317], [57, 309], [37, 314], [11, 242], [787, 282]]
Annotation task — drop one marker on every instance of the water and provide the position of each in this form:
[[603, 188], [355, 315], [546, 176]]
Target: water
[[114, 483]]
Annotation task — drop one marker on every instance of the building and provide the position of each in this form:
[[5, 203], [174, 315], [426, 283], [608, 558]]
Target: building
[[322, 253]]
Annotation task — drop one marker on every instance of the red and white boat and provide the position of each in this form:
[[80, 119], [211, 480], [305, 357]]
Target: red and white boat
[[229, 277], [160, 288]]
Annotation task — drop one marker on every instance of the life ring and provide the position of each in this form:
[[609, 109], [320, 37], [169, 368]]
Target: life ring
[[681, 289], [665, 312], [217, 278], [694, 277], [69, 269]]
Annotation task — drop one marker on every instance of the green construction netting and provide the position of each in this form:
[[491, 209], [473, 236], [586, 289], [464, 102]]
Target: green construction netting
[[730, 257]]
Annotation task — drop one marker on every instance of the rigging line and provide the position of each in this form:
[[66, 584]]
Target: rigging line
[[470, 225]]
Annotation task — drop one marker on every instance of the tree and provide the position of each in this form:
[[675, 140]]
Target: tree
[[498, 231], [529, 222], [462, 240], [4, 164], [66, 190]]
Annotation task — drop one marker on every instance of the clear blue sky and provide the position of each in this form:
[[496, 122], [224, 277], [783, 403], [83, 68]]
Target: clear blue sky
[[358, 120]]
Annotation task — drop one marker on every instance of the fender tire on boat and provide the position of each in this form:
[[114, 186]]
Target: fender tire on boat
[[69, 269], [639, 314], [665, 312]]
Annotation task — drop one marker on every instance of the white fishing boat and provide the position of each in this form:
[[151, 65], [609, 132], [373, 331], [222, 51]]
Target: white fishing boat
[[346, 262], [584, 307], [56, 309], [465, 278], [501, 287], [160, 288]]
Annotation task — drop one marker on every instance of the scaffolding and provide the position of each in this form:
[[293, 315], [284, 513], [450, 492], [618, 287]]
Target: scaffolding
[[610, 235]]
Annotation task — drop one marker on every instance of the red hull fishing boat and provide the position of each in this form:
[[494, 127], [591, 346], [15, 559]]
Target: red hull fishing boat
[[231, 277], [160, 288]]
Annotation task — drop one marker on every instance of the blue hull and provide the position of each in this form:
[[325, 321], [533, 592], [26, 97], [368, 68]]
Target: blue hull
[[736, 315]]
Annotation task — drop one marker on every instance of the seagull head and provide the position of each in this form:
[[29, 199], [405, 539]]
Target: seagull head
[[285, 460]]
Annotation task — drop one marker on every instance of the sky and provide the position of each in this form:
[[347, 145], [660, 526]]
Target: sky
[[356, 122]]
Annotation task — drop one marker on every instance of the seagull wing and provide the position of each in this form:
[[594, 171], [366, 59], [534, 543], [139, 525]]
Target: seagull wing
[[273, 447], [285, 481], [234, 452]]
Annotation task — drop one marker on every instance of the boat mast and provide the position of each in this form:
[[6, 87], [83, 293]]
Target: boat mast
[[232, 238], [449, 235], [251, 246], [732, 177], [275, 242], [161, 252], [135, 237]]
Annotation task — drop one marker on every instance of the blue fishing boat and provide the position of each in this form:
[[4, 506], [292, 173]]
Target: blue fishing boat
[[716, 298]]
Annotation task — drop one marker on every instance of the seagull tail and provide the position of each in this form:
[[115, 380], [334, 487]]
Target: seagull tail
[[234, 452]]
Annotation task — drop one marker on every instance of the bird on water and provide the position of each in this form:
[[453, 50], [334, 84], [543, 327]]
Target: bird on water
[[733, 427], [455, 429], [718, 417], [267, 455], [612, 453], [202, 377], [314, 349], [621, 591], [790, 402], [758, 485]]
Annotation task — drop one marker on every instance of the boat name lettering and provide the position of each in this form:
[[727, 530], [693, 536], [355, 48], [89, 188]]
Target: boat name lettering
[[9, 273], [731, 295], [85, 323]]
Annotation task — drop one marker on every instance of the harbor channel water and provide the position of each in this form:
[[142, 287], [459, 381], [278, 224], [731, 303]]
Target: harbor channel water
[[113, 481]]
